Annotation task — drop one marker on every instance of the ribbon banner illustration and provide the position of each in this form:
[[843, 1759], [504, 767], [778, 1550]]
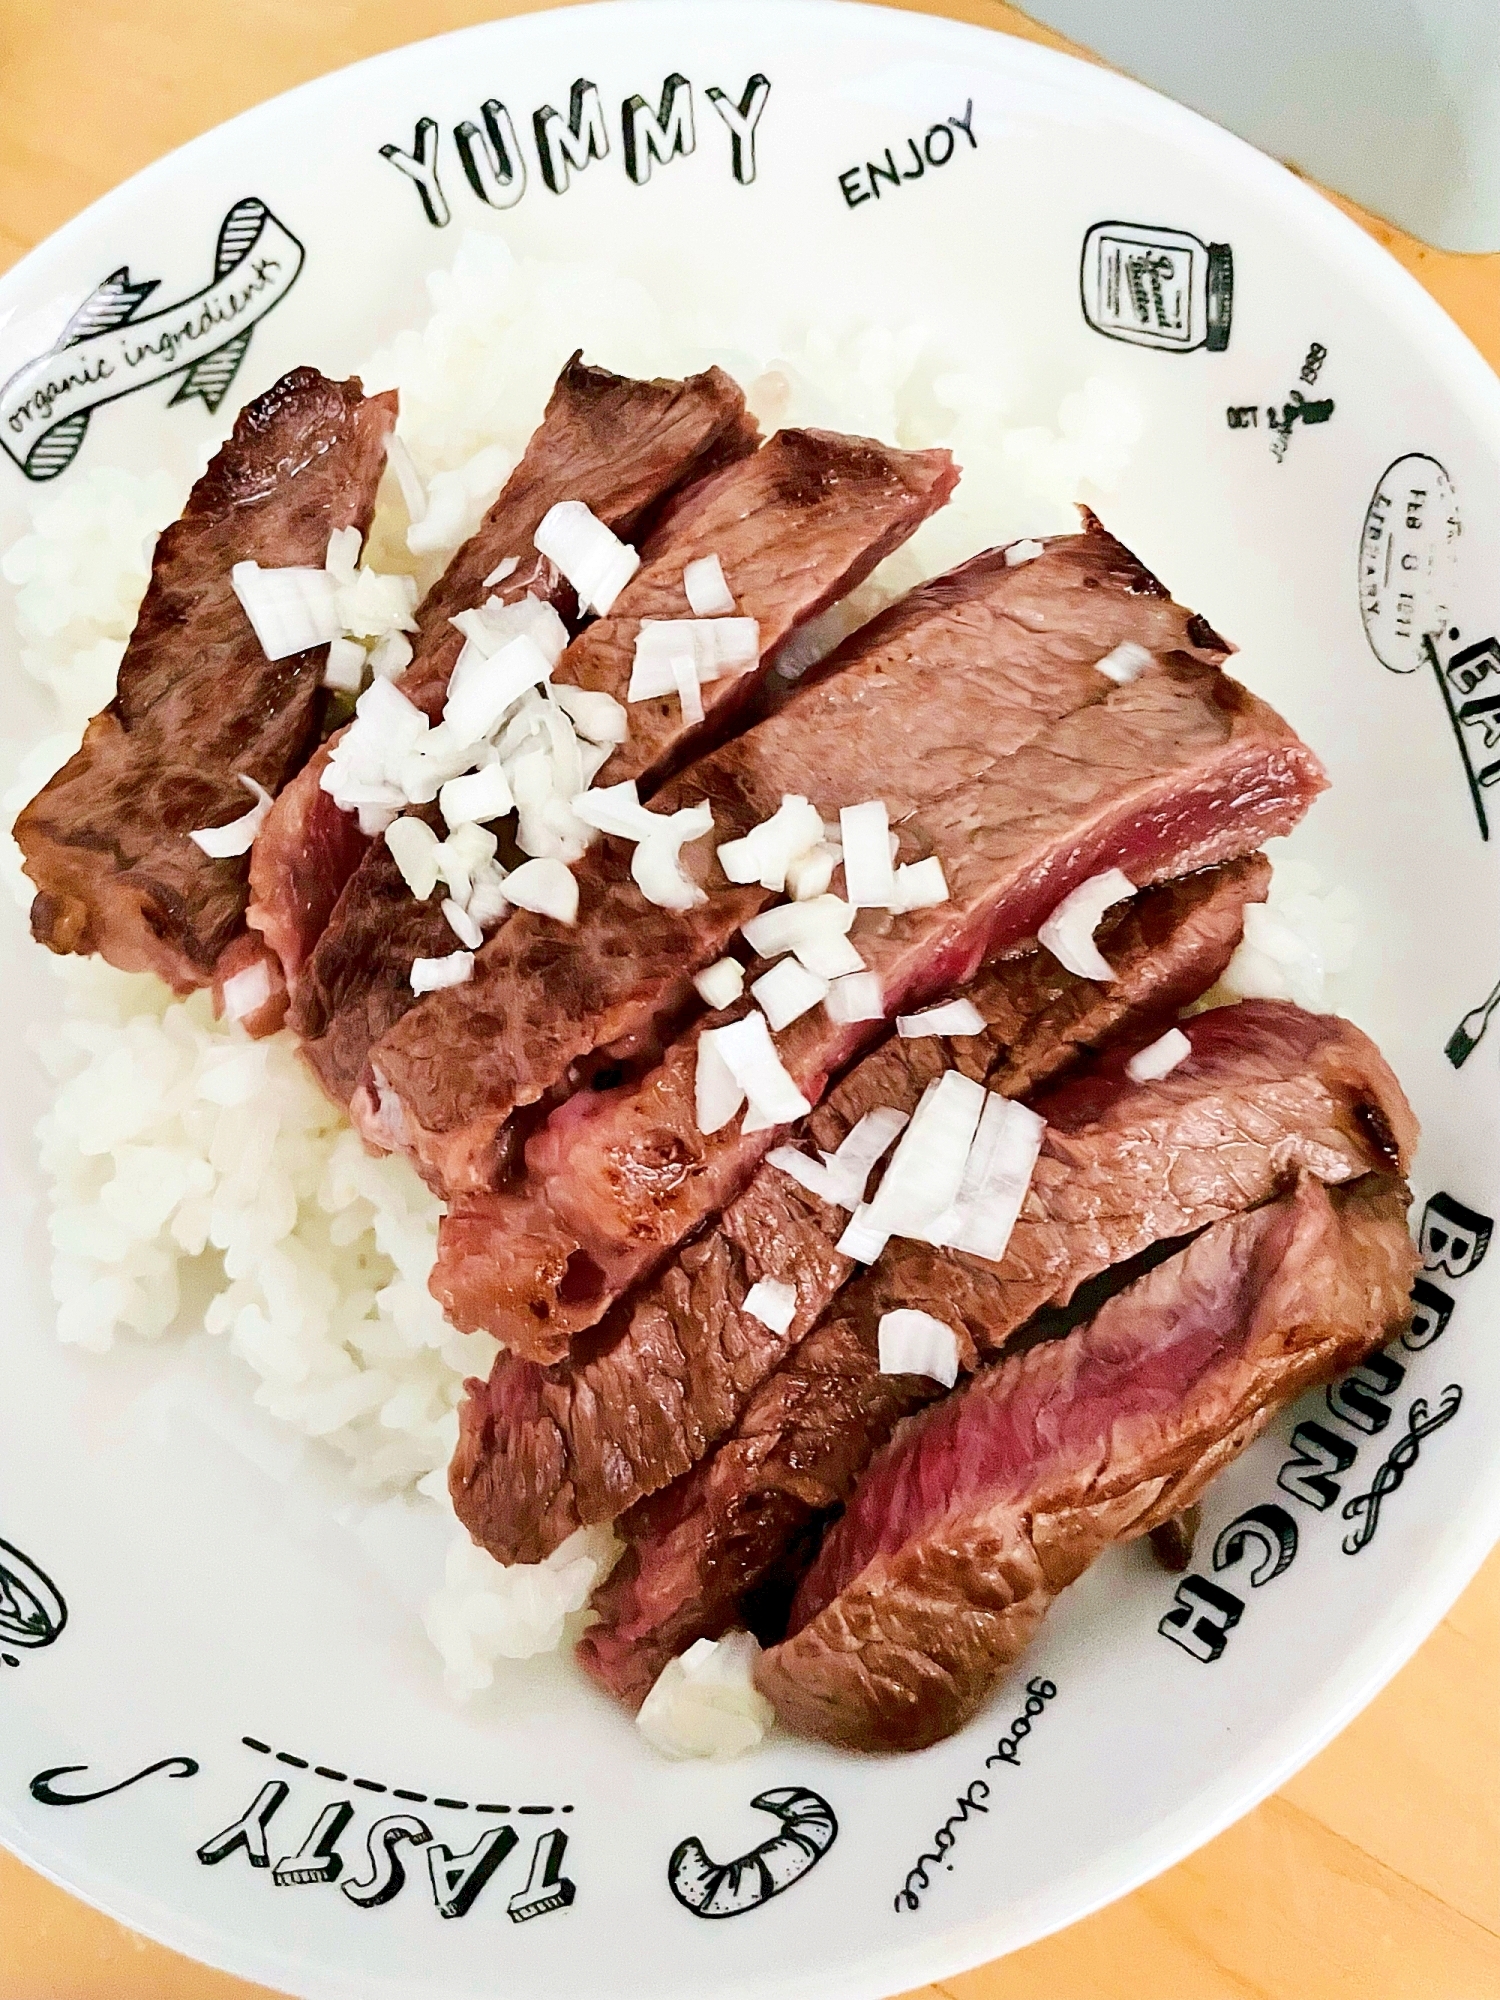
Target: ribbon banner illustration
[[105, 351]]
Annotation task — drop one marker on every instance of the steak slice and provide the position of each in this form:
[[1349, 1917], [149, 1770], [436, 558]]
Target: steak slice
[[198, 703], [1263, 1099], [968, 1525], [502, 1256], [950, 720], [620, 445], [542, 1451]]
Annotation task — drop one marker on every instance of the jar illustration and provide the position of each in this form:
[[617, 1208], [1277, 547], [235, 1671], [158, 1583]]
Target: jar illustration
[[1157, 287]]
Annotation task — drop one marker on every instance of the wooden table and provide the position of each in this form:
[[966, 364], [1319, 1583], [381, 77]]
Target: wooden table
[[1375, 1874]]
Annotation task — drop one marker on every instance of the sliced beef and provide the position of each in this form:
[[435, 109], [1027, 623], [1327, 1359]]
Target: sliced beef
[[799, 522], [621, 446], [198, 703], [1269, 1092], [941, 728], [542, 1451], [502, 1257], [982, 1509]]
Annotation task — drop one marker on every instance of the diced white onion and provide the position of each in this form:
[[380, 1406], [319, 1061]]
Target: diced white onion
[[462, 924], [914, 1343], [751, 1058], [291, 610], [342, 559], [953, 1017], [766, 852], [1069, 932], [493, 624], [717, 1095], [788, 991], [376, 603], [855, 998], [831, 957], [1023, 552], [548, 888], [720, 984], [481, 795], [221, 843], [345, 671], [506, 567], [869, 881], [488, 902], [468, 851], [414, 849], [811, 873], [689, 689], [617, 810], [708, 594], [476, 704], [862, 1240], [1159, 1058], [597, 716], [390, 656], [1125, 664], [772, 1303], [789, 925], [373, 820], [401, 462], [655, 866], [996, 1177], [839, 1178], [716, 645], [706, 1704], [430, 975], [248, 991], [920, 885], [593, 559], [927, 1167]]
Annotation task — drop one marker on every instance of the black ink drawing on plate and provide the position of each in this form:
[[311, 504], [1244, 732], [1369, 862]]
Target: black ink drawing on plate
[[1157, 287], [729, 1888], [1471, 699], [32, 1611], [1467, 1036], [1408, 550], [105, 352], [1420, 1423], [908, 161], [44, 1785]]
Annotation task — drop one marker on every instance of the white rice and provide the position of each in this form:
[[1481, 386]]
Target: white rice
[[199, 1179]]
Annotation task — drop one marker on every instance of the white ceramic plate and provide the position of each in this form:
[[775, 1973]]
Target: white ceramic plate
[[217, 1619]]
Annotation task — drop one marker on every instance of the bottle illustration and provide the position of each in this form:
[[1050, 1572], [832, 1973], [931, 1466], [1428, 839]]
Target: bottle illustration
[[1157, 287]]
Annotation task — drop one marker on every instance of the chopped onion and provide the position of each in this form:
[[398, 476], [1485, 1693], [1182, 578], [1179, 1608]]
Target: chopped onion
[[831, 957], [811, 873], [689, 689], [430, 975], [493, 624], [772, 1303], [869, 882], [789, 925], [617, 810], [488, 902], [716, 645], [593, 559], [862, 1240], [914, 1343], [788, 991], [768, 850], [750, 1054], [717, 1095], [954, 1017], [248, 991], [1069, 932], [814, 1175], [720, 984], [291, 610], [707, 593], [401, 462], [1159, 1058], [597, 716], [414, 849], [706, 1703], [342, 559], [546, 887], [1126, 663], [373, 820], [840, 1177], [390, 656], [482, 795], [856, 998], [221, 843], [1023, 552], [476, 704], [462, 924], [920, 885], [374, 604], [345, 671], [997, 1175], [506, 567], [927, 1168], [655, 867]]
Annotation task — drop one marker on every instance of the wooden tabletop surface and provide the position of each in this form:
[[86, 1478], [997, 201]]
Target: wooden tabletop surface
[[1375, 1874]]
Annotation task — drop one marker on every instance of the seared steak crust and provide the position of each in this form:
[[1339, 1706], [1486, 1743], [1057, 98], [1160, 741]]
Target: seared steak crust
[[198, 702]]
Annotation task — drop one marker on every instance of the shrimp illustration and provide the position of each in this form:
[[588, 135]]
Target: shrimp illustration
[[728, 1888]]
